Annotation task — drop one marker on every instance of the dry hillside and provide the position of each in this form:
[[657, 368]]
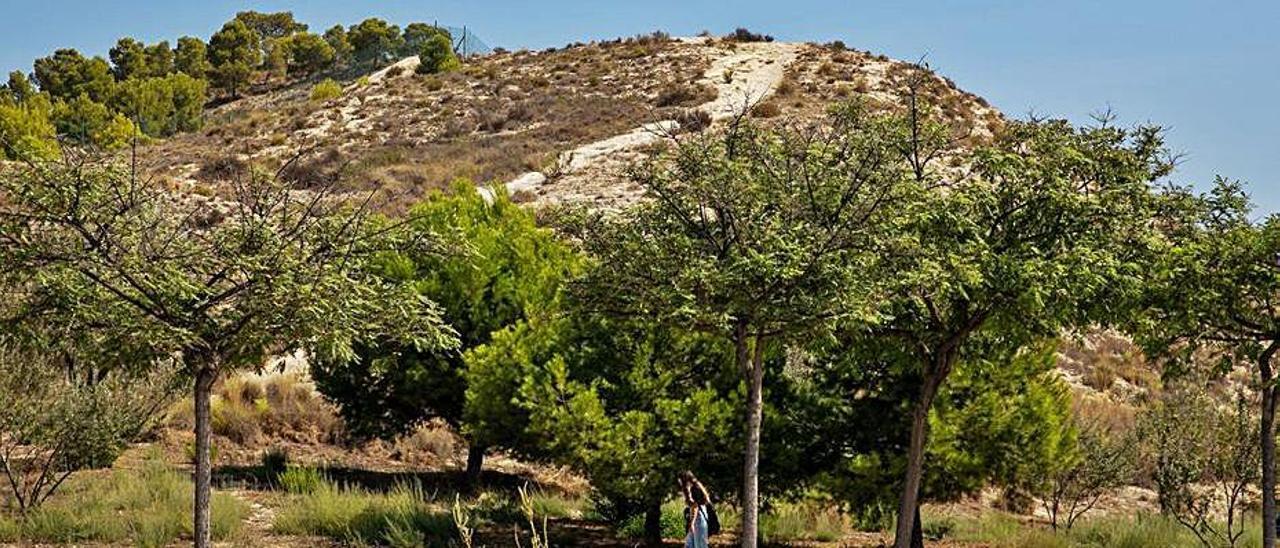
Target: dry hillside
[[556, 125]]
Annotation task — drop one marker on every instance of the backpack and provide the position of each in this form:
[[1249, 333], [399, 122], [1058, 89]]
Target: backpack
[[713, 520]]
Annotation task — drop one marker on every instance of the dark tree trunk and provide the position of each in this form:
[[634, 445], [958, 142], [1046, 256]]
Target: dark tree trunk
[[917, 532], [909, 505], [753, 367], [204, 468], [653, 524], [1268, 435], [475, 464]]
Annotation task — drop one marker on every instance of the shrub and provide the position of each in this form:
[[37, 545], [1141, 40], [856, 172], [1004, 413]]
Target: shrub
[[26, 131], [766, 110], [437, 56], [693, 120], [674, 95], [275, 462], [743, 35], [672, 522], [52, 426], [326, 90], [250, 409]]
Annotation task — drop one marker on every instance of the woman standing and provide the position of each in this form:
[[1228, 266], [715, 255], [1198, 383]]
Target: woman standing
[[697, 501]]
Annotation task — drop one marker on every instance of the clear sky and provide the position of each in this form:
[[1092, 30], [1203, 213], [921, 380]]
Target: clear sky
[[1208, 70]]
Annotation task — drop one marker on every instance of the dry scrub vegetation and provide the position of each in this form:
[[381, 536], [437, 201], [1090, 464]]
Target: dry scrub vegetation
[[501, 115]]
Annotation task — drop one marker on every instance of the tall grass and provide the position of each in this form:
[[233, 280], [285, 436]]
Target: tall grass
[[1140, 531], [406, 516], [784, 521], [147, 507], [402, 517]]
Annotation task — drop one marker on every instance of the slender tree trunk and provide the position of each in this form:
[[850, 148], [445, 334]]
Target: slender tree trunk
[[753, 367], [475, 464], [653, 524], [908, 506], [204, 469], [1268, 434]]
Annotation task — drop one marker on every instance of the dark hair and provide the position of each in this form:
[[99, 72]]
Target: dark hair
[[693, 489]]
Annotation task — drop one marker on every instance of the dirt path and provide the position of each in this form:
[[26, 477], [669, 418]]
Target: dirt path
[[590, 173]]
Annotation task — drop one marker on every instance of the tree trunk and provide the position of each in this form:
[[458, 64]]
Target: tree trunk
[[753, 367], [1268, 435], [653, 524], [475, 464], [908, 506], [204, 469], [917, 532]]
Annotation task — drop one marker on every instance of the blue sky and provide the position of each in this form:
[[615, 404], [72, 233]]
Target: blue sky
[[1208, 70]]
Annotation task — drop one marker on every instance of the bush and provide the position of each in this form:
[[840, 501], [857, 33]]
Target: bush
[[743, 35], [275, 462], [437, 56], [672, 521], [52, 426], [326, 90], [674, 95], [249, 409], [693, 120], [766, 110], [26, 131]]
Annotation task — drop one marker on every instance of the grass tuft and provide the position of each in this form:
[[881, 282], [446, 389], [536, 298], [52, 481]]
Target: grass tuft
[[147, 507]]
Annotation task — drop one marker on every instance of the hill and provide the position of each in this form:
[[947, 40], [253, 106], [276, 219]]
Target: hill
[[557, 125]]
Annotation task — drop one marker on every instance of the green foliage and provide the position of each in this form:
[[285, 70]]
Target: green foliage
[[671, 522], [234, 53], [66, 75], [375, 41], [18, 89], [163, 106], [52, 425], [85, 122], [308, 54], [436, 55], [129, 59], [337, 39], [326, 90], [275, 57], [1191, 441], [26, 131], [416, 36], [632, 405], [1007, 421], [1103, 458], [1004, 420], [146, 507], [160, 59], [500, 268], [191, 58], [278, 24]]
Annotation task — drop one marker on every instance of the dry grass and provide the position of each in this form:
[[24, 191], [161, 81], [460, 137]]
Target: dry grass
[[251, 411]]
